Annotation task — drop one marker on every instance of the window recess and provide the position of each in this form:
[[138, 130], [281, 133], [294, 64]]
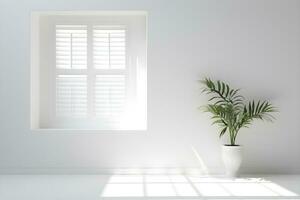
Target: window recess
[[91, 71]]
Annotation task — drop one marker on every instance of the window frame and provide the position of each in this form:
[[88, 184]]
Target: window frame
[[130, 70]]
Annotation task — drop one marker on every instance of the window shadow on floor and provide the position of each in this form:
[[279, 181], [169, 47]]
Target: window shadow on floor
[[193, 187]]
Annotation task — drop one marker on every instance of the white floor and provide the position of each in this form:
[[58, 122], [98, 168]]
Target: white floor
[[144, 187]]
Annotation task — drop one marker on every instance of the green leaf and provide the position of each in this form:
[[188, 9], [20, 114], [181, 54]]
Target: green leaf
[[227, 90], [223, 88], [215, 97], [219, 86], [257, 106], [217, 122], [222, 132]]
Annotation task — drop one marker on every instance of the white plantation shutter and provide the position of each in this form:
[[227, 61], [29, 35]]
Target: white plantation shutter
[[71, 95], [110, 93], [108, 96], [71, 46], [109, 47]]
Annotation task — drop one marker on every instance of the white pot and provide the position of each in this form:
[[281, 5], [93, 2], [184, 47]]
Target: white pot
[[232, 158]]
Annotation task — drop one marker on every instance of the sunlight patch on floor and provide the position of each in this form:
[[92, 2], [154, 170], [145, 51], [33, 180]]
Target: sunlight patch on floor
[[123, 190], [191, 186]]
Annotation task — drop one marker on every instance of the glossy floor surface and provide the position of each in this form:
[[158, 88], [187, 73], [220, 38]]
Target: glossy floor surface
[[146, 187]]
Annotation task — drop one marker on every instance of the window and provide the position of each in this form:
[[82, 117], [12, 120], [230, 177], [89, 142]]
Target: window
[[88, 70]]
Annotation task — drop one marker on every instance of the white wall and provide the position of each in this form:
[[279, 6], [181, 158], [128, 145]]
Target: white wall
[[253, 44]]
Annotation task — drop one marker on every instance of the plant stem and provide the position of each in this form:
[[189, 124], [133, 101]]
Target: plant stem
[[231, 135], [235, 134]]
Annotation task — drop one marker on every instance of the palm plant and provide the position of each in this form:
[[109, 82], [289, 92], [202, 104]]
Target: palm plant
[[230, 112]]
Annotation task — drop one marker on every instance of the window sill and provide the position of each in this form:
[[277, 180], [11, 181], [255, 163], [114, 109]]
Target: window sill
[[85, 131]]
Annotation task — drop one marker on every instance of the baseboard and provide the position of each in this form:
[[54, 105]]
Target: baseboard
[[32, 170]]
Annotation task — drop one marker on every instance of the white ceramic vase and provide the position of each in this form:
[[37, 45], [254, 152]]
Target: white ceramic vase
[[232, 158]]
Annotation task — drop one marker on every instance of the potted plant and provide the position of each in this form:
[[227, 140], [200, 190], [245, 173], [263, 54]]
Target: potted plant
[[231, 113]]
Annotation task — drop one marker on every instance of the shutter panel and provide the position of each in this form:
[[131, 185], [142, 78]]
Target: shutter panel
[[109, 47], [110, 94], [71, 46], [71, 95]]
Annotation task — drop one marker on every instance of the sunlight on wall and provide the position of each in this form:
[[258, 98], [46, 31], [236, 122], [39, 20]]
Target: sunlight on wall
[[191, 186], [202, 166]]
